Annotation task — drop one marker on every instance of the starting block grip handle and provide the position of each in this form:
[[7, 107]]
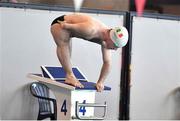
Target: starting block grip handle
[[89, 105]]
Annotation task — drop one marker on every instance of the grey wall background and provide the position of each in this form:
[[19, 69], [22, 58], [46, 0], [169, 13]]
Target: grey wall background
[[27, 44], [155, 92]]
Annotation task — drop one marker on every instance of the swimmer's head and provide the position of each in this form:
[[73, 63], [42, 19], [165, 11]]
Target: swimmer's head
[[119, 36]]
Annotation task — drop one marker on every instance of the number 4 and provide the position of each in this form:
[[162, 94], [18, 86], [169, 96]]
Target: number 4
[[63, 108], [82, 108]]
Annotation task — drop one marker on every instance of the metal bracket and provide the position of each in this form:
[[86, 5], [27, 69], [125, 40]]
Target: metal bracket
[[89, 105]]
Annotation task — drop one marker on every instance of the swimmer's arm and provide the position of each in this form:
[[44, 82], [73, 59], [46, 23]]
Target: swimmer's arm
[[106, 54]]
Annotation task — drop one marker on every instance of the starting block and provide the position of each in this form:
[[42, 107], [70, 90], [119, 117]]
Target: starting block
[[72, 102]]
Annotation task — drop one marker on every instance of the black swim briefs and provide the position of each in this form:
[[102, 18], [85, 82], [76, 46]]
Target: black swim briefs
[[61, 18]]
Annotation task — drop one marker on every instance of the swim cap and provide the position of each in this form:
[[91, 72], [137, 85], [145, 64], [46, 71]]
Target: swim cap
[[119, 36]]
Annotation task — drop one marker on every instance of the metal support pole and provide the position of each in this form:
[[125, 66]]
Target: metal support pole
[[126, 72]]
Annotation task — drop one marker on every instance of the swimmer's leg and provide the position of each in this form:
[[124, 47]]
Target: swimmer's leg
[[62, 39]]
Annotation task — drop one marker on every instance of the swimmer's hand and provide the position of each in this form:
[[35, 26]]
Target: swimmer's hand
[[61, 23], [99, 86], [70, 26]]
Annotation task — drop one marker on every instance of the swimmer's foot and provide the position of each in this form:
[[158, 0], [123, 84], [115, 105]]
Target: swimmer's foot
[[73, 81]]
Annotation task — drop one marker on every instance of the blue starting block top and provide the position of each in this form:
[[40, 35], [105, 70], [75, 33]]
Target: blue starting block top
[[58, 74], [87, 85]]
